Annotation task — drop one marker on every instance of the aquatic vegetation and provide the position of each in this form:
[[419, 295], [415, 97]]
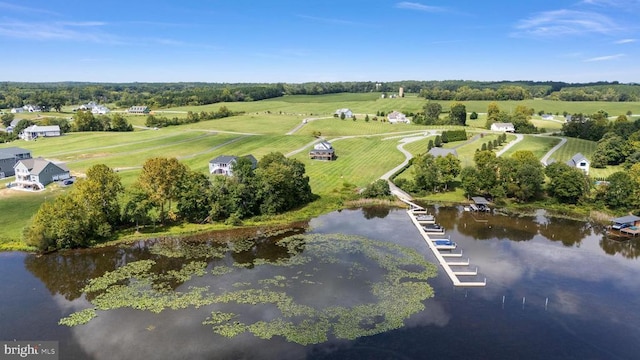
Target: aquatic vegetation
[[79, 318], [380, 284], [174, 248]]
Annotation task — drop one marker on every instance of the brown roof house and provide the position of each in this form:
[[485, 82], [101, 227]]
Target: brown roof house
[[322, 151]]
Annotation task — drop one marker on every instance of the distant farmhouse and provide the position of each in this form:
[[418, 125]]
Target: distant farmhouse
[[347, 113], [32, 108], [579, 161], [395, 117], [138, 110], [504, 127], [13, 125], [95, 108], [8, 159], [17, 110], [223, 165], [438, 151], [36, 173], [322, 151], [35, 131]]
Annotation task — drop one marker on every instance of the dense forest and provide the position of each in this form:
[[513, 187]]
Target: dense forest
[[161, 95]]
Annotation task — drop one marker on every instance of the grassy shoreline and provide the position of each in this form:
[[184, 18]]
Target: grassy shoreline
[[297, 219]]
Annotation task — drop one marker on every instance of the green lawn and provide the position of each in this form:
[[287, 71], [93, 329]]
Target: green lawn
[[362, 157], [360, 162], [586, 148], [538, 145], [17, 208]]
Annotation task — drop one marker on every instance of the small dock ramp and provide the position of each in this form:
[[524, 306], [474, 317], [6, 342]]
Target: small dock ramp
[[455, 259]]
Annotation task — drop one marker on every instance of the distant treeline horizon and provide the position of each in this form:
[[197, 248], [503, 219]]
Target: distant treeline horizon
[[54, 95]]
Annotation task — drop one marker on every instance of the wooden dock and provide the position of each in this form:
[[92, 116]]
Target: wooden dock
[[442, 257]]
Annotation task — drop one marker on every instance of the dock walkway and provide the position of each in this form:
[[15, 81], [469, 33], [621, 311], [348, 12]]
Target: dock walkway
[[442, 257]]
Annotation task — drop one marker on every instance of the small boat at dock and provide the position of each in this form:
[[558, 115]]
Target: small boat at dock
[[433, 229], [444, 244], [426, 219]]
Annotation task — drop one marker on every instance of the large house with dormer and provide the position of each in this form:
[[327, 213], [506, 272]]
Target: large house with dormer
[[322, 151], [504, 127], [223, 164], [35, 131], [36, 173]]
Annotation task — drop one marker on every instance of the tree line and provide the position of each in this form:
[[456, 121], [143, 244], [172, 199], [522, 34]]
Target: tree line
[[166, 191], [55, 95], [522, 178], [618, 140]]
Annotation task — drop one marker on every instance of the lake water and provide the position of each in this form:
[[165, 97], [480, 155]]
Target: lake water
[[556, 289]]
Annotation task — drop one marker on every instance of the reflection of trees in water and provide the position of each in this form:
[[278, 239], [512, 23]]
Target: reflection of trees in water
[[630, 249], [484, 227], [569, 232], [446, 216], [371, 212], [67, 273]]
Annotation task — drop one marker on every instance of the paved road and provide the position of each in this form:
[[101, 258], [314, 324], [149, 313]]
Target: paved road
[[519, 138], [408, 156], [546, 157]]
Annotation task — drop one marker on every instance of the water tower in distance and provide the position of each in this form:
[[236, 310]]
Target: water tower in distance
[[401, 92]]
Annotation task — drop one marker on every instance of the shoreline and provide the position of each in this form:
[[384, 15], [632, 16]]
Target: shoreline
[[287, 221]]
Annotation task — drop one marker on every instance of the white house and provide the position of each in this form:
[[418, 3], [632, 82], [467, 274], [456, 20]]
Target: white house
[[504, 127], [579, 161], [100, 110], [35, 131], [395, 117], [223, 164], [17, 110], [36, 173], [347, 112], [32, 108]]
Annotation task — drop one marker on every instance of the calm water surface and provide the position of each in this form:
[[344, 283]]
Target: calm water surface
[[556, 289]]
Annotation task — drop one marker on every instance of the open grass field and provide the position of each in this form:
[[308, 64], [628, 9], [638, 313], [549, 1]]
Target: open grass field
[[538, 145], [366, 150], [16, 209], [360, 162], [586, 148]]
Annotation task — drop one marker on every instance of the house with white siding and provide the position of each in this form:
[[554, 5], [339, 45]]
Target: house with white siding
[[36, 173], [35, 131]]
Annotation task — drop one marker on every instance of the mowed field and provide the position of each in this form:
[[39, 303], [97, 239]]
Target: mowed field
[[366, 150]]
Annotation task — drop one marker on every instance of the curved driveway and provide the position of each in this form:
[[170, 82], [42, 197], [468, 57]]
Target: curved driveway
[[519, 138], [546, 157]]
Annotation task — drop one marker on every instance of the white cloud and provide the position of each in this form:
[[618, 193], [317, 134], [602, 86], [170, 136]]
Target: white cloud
[[24, 9], [625, 41], [55, 31], [565, 23], [625, 4], [605, 58], [419, 7]]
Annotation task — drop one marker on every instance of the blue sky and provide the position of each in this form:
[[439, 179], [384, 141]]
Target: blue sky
[[323, 40]]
